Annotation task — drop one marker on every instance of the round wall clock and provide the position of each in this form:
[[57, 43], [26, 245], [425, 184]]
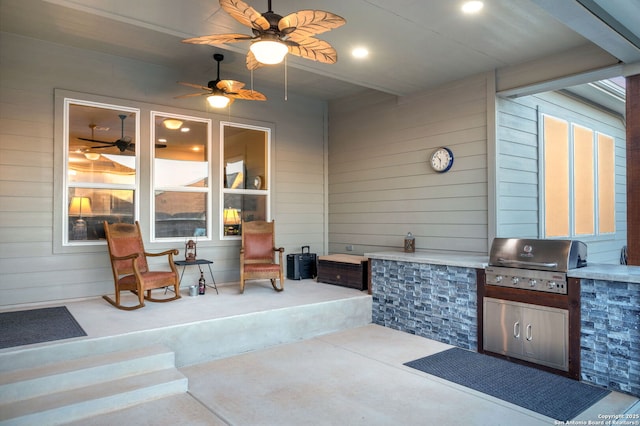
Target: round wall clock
[[441, 159], [257, 182]]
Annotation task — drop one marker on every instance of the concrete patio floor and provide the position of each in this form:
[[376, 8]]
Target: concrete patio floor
[[353, 376]]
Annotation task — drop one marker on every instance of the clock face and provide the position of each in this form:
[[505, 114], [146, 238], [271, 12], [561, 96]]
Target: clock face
[[441, 159], [257, 182]]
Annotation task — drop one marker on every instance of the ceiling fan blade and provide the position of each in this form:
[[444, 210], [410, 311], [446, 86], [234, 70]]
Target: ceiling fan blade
[[161, 145], [97, 141], [307, 23], [218, 39], [190, 95], [195, 86], [252, 62], [229, 86], [110, 144], [248, 95], [245, 14], [314, 49]]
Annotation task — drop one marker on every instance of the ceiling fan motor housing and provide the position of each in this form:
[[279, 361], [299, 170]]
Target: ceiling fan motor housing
[[273, 19]]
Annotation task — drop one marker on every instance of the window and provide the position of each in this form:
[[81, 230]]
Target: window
[[100, 168], [245, 176], [579, 180], [181, 177]]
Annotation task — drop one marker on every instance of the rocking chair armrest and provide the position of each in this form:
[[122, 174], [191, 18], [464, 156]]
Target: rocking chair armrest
[[280, 251], [129, 256], [164, 253]]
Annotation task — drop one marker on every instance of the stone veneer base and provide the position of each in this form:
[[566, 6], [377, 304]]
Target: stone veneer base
[[433, 301], [610, 334], [439, 302]]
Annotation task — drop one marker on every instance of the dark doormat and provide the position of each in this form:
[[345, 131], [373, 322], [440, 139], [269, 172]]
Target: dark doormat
[[551, 395], [37, 325]]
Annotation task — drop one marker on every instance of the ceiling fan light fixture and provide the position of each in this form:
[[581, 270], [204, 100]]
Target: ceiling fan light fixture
[[269, 52], [218, 101], [93, 156], [172, 123]]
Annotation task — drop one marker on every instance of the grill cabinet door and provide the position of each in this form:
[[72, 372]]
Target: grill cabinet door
[[545, 336], [502, 327], [533, 333]]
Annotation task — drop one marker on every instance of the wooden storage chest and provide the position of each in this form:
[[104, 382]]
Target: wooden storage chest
[[344, 270]]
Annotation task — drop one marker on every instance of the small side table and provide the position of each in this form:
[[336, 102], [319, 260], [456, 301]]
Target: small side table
[[184, 265]]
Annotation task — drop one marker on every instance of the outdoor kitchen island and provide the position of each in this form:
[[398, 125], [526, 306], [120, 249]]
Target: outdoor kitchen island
[[434, 295]]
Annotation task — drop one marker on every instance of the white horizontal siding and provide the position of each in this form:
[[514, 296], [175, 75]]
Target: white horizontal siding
[[381, 185]]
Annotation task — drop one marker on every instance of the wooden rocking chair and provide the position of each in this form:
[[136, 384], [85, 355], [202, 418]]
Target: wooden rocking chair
[[258, 254], [130, 269]]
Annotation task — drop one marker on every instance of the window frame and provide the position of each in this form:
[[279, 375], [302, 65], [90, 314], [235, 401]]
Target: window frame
[[572, 124], [244, 191], [63, 100], [207, 190]]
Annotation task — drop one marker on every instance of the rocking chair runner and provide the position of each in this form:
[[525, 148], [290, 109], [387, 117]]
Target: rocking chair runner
[[130, 269], [258, 254]]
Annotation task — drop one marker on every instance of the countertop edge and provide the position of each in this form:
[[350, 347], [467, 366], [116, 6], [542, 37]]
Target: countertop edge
[[604, 272], [464, 260]]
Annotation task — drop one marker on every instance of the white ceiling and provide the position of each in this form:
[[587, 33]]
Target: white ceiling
[[414, 44]]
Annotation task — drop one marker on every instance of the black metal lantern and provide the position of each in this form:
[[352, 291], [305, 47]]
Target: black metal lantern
[[190, 251]]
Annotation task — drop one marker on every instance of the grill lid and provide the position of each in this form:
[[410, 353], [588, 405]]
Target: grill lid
[[546, 255]]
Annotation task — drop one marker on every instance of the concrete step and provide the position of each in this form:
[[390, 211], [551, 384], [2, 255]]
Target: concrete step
[[191, 340], [82, 402], [76, 373]]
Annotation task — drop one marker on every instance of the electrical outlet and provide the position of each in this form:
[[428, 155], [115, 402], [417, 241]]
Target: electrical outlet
[[349, 247]]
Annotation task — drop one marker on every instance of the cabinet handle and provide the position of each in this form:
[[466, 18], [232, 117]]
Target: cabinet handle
[[516, 329], [529, 334]]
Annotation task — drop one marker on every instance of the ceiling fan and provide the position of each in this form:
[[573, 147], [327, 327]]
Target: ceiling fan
[[292, 33], [123, 144], [227, 89]]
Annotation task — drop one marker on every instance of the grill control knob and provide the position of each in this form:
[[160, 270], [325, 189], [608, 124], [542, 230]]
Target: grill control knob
[[552, 284], [499, 278], [515, 280], [532, 283]]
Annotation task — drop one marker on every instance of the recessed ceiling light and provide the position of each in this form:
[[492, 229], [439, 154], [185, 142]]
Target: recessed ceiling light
[[360, 52], [162, 140], [474, 6], [185, 129]]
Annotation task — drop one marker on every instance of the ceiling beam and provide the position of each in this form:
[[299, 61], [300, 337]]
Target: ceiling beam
[[595, 25]]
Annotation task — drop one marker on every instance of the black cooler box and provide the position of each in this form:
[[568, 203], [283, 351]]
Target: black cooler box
[[301, 266]]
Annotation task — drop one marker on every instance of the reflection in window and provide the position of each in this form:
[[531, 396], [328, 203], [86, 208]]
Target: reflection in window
[[180, 176], [242, 208], [101, 168], [245, 189], [89, 208]]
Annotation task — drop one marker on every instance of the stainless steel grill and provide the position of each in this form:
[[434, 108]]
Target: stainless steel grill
[[520, 318], [532, 264]]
